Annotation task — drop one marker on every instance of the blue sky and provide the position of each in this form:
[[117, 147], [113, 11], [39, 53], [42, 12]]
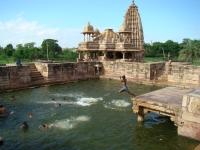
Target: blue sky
[[23, 21]]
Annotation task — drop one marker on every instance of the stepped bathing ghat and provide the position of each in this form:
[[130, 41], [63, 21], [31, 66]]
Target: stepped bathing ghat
[[110, 55]]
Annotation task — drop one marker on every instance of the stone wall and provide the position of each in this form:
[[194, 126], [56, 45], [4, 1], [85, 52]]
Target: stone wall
[[177, 73], [67, 71], [190, 116], [13, 75], [184, 74], [142, 71]]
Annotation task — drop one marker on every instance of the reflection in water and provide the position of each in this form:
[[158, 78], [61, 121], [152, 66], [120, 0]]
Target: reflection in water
[[93, 116]]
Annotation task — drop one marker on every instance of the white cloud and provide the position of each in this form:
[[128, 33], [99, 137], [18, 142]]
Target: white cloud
[[20, 31]]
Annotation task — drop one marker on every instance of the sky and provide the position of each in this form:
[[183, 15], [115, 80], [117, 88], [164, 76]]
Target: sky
[[24, 21]]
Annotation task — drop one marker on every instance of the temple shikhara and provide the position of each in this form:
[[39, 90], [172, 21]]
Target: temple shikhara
[[125, 45]]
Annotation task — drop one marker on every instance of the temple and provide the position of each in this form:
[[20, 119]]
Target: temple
[[124, 46]]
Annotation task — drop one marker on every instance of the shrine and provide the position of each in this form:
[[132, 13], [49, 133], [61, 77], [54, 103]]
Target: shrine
[[127, 45]]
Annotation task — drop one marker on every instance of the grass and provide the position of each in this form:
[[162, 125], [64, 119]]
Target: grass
[[146, 59], [7, 61], [11, 60], [157, 59]]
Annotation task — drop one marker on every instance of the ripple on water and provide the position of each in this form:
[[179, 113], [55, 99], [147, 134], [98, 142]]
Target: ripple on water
[[72, 95], [70, 123], [88, 101], [117, 104]]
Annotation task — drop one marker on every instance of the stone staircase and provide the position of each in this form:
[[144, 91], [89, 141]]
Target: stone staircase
[[163, 73], [35, 74]]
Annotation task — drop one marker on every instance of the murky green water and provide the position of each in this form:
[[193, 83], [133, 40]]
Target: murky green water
[[94, 116]]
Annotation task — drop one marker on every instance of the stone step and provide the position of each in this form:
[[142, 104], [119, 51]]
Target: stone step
[[37, 78], [36, 75], [35, 72]]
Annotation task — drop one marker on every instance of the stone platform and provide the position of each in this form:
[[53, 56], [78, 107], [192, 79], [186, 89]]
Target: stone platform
[[180, 104], [166, 101]]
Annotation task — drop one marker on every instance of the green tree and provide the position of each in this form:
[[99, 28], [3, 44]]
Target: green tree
[[52, 47], [18, 46], [29, 45], [27, 52], [147, 47], [155, 50], [8, 50], [72, 55], [191, 48], [172, 47]]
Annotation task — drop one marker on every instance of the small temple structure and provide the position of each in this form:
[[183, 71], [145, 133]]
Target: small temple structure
[[125, 45]]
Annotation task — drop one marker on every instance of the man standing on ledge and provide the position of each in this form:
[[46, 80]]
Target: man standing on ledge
[[124, 88]]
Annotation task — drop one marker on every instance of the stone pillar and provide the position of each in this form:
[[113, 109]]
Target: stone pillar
[[79, 55], [133, 57], [114, 53], [86, 55], [189, 122], [105, 55], [141, 117], [123, 54], [136, 56], [95, 55], [84, 36]]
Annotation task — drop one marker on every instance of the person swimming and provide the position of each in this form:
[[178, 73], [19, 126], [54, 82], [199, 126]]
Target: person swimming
[[3, 111], [44, 126], [12, 97], [25, 125], [30, 115]]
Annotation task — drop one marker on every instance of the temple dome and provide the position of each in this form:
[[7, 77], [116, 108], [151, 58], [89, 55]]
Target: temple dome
[[96, 31], [88, 28], [108, 33]]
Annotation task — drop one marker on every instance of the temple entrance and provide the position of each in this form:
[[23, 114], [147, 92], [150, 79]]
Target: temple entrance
[[119, 55], [128, 55], [110, 55]]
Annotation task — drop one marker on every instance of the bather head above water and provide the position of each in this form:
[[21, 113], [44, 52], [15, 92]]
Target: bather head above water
[[12, 97], [30, 115], [25, 125], [46, 126]]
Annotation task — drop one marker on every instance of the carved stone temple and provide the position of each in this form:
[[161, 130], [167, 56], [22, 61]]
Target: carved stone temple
[[127, 45]]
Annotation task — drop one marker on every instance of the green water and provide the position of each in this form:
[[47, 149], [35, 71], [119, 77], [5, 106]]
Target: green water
[[94, 116]]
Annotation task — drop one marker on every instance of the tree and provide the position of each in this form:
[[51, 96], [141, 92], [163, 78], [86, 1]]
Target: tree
[[27, 52], [172, 47], [73, 55], [147, 47], [8, 50], [52, 46], [155, 50], [18, 46], [1, 48], [29, 45], [191, 48]]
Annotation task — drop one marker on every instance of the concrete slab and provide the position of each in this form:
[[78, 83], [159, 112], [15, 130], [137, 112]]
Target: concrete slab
[[172, 96]]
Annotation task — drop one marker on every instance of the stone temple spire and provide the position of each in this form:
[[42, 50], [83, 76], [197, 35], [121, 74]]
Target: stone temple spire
[[133, 3], [133, 22]]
